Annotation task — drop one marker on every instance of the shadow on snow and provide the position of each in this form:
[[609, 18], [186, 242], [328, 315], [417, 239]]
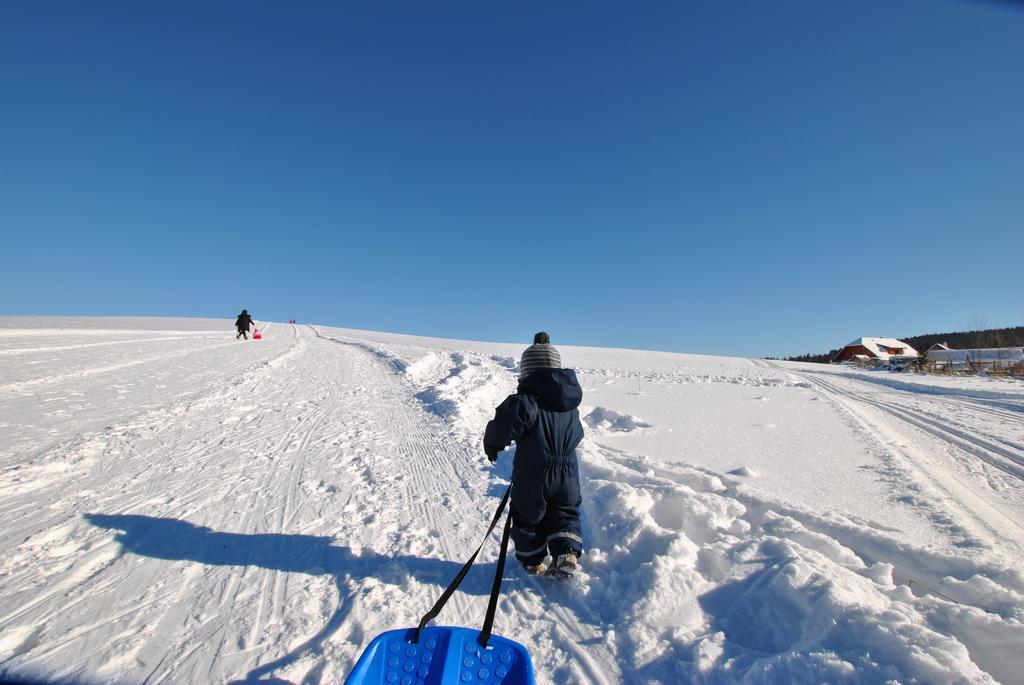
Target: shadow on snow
[[175, 540]]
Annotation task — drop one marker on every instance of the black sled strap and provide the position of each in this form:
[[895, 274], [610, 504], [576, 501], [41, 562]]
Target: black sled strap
[[492, 605], [447, 594]]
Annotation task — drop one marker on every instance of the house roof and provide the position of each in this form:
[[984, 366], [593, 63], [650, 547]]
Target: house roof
[[876, 345]]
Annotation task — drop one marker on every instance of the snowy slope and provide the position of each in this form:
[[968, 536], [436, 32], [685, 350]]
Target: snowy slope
[[179, 507]]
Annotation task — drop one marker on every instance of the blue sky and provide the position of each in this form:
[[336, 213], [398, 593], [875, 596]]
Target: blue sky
[[744, 178]]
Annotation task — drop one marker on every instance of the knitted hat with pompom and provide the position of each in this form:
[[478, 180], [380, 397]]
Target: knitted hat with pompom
[[540, 355]]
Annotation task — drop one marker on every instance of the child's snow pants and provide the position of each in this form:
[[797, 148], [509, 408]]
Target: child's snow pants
[[546, 509]]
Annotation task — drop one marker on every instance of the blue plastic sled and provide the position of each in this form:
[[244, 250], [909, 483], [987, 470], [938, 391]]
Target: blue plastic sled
[[443, 656]]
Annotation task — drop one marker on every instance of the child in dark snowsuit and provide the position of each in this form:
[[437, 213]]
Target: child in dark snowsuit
[[242, 323], [543, 420]]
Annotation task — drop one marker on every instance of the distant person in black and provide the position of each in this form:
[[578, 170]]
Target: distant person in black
[[242, 323]]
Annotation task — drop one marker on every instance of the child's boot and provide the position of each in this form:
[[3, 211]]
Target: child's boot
[[564, 566]]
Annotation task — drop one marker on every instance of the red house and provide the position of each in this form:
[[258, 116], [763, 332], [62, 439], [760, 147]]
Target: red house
[[876, 348]]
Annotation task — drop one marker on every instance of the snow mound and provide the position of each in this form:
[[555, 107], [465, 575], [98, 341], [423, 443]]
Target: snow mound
[[427, 368], [702, 587], [466, 392], [605, 420], [509, 363]]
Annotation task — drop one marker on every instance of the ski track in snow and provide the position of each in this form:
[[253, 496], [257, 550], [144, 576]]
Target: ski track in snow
[[960, 441], [267, 508]]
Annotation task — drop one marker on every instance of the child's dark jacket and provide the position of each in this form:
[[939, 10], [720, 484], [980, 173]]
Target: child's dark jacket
[[542, 418]]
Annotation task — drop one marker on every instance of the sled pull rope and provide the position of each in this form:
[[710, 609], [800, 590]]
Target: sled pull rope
[[492, 604], [450, 590]]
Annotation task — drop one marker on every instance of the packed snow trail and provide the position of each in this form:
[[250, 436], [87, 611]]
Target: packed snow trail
[[180, 507]]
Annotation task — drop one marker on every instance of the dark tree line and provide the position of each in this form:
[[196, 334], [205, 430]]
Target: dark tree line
[[994, 337], [816, 358]]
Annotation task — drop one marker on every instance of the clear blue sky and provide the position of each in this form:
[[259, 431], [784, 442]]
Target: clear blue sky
[[752, 178]]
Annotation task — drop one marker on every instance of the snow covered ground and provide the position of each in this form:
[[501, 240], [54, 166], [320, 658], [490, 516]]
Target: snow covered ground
[[180, 507]]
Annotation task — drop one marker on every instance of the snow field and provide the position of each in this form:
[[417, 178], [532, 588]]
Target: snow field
[[179, 507]]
